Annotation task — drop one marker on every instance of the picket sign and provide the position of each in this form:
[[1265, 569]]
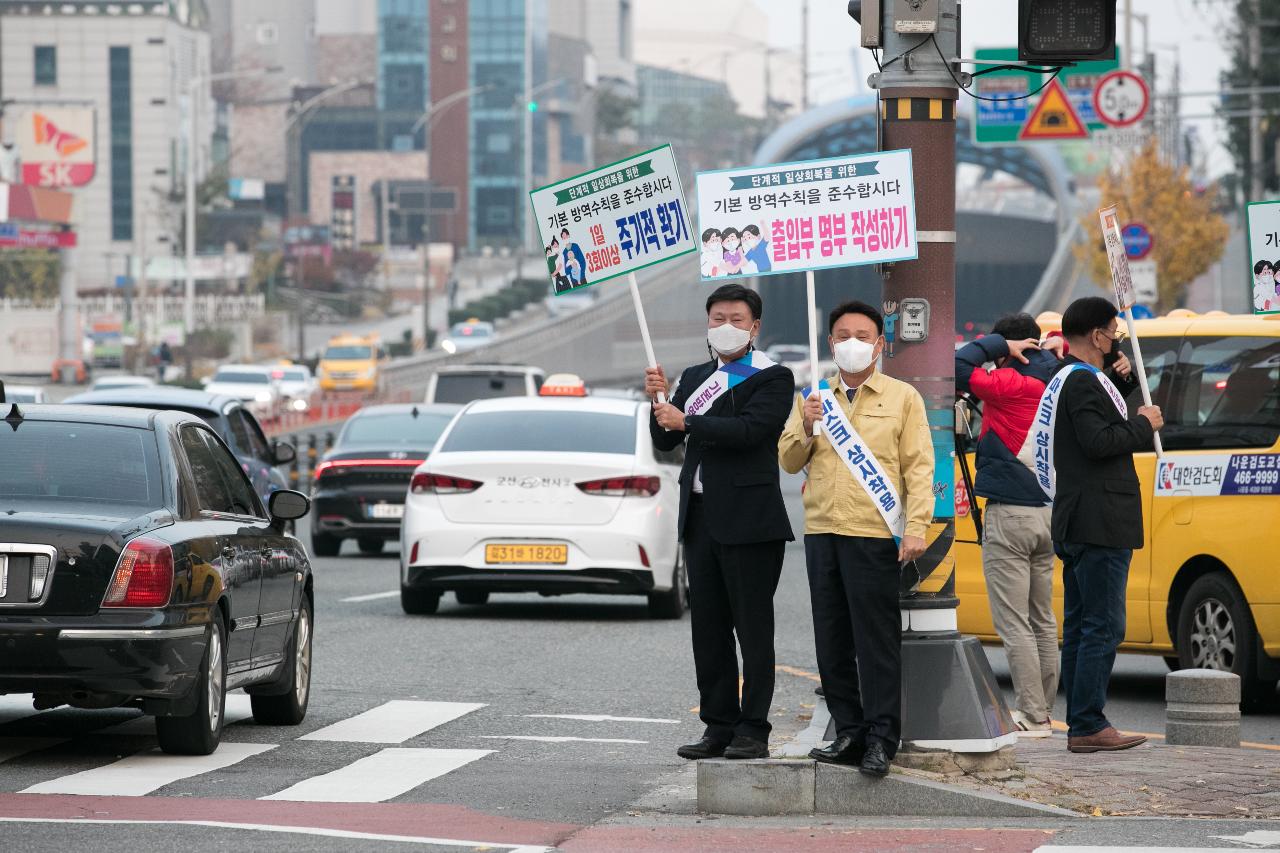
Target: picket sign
[[1122, 282], [812, 310], [644, 328], [614, 220]]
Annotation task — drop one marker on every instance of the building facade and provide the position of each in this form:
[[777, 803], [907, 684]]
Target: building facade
[[403, 55], [130, 64], [449, 126]]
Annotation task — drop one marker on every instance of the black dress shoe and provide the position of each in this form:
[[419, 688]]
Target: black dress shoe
[[747, 747], [704, 748], [842, 750], [876, 761]]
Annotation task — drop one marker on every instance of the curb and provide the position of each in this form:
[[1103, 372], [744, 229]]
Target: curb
[[770, 787]]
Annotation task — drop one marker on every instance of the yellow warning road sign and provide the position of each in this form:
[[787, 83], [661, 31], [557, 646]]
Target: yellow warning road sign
[[1054, 117]]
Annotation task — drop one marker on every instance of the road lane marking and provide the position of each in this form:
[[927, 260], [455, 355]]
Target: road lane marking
[[12, 747], [550, 739], [394, 722], [371, 597], [297, 830], [797, 672], [237, 708], [599, 718], [381, 776], [139, 775]]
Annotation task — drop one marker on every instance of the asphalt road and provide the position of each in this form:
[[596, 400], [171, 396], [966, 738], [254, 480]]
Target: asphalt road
[[568, 711]]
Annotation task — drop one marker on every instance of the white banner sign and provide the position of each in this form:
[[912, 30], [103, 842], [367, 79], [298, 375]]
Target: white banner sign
[[205, 267], [1121, 278], [1264, 255], [791, 217], [613, 220], [1143, 276], [1213, 474]]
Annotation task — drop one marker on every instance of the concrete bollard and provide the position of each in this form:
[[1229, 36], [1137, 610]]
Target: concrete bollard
[[1202, 708]]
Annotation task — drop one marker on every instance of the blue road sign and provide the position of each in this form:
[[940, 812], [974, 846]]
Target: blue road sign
[[1137, 240]]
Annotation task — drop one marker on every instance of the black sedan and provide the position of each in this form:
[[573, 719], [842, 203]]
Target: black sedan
[[361, 483], [229, 418], [138, 568]]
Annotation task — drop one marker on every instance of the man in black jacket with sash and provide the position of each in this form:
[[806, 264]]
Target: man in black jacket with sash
[[729, 412], [1088, 437]]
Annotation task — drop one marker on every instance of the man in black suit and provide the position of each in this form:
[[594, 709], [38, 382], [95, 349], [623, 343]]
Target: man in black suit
[[729, 412], [1097, 512]]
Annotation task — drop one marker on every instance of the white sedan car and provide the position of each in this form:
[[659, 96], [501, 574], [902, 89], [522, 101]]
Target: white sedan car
[[552, 495], [249, 383]]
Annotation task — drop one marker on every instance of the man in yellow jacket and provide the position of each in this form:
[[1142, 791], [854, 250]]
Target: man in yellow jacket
[[868, 503]]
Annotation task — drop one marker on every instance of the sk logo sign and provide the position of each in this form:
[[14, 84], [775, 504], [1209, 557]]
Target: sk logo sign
[[47, 133]]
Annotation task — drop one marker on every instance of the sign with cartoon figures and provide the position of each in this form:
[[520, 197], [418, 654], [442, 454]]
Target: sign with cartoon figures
[[55, 144], [793, 217], [1264, 255], [613, 220]]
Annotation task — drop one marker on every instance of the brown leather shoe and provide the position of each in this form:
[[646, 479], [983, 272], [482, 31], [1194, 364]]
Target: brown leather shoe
[[1107, 740]]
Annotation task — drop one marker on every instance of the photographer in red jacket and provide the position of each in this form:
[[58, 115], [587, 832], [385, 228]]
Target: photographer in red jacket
[[1017, 548]]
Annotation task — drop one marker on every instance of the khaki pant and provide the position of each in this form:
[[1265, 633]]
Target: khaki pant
[[1017, 560]]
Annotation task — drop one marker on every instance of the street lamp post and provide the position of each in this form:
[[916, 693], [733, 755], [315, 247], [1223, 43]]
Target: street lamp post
[[189, 293]]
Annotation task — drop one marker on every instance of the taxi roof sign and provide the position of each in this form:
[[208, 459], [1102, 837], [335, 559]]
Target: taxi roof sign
[[563, 385]]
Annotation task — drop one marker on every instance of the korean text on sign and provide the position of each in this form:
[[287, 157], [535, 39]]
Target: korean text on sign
[[613, 220], [791, 217]]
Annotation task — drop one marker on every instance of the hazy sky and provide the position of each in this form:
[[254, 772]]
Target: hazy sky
[[1179, 29]]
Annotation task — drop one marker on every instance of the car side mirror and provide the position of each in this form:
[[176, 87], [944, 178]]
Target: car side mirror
[[287, 505], [283, 452]]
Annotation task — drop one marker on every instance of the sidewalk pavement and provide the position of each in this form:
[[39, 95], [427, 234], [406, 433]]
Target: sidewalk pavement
[[1152, 780]]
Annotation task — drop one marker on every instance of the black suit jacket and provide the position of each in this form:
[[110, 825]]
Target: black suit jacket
[[1098, 500], [736, 443]]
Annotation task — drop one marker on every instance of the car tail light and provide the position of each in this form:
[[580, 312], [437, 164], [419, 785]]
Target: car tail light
[[40, 565], [413, 553], [645, 487], [143, 576], [644, 557], [441, 484], [332, 464]]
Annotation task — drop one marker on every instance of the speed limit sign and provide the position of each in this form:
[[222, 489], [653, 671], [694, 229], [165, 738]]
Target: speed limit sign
[[1121, 99]]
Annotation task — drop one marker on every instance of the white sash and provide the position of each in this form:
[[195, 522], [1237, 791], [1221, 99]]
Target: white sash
[[861, 462], [727, 376], [1037, 450]]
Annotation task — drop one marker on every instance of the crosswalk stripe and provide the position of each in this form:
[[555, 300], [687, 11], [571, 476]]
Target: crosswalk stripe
[[12, 747], [393, 722], [236, 709], [381, 776], [143, 773]]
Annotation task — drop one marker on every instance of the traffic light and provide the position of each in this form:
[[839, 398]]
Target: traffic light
[[868, 15], [533, 106], [1062, 31]]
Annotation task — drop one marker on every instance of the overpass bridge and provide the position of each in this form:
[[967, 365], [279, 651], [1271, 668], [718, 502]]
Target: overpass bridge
[[1013, 253]]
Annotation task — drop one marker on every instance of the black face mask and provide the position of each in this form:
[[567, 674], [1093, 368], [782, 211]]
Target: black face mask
[[1110, 358]]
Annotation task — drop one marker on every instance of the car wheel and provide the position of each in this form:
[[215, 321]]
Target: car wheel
[[200, 732], [325, 545], [290, 707], [419, 602], [472, 596], [369, 546], [1216, 631], [674, 602]]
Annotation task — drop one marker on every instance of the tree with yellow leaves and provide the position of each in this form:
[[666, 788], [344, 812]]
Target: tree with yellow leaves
[[1188, 235]]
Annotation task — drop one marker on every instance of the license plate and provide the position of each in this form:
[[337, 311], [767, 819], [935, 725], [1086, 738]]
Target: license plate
[[526, 553], [386, 511]]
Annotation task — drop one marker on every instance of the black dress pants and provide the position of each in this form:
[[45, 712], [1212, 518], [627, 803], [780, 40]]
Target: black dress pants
[[731, 591], [857, 627]]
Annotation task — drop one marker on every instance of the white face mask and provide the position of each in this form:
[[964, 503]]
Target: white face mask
[[853, 356], [1267, 280], [728, 339]]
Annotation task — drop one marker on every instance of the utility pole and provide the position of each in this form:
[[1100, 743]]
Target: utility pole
[[918, 94], [1255, 104], [1127, 54], [386, 236], [804, 56]]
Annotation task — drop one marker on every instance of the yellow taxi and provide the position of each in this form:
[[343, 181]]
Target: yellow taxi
[[351, 363], [1205, 590]]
